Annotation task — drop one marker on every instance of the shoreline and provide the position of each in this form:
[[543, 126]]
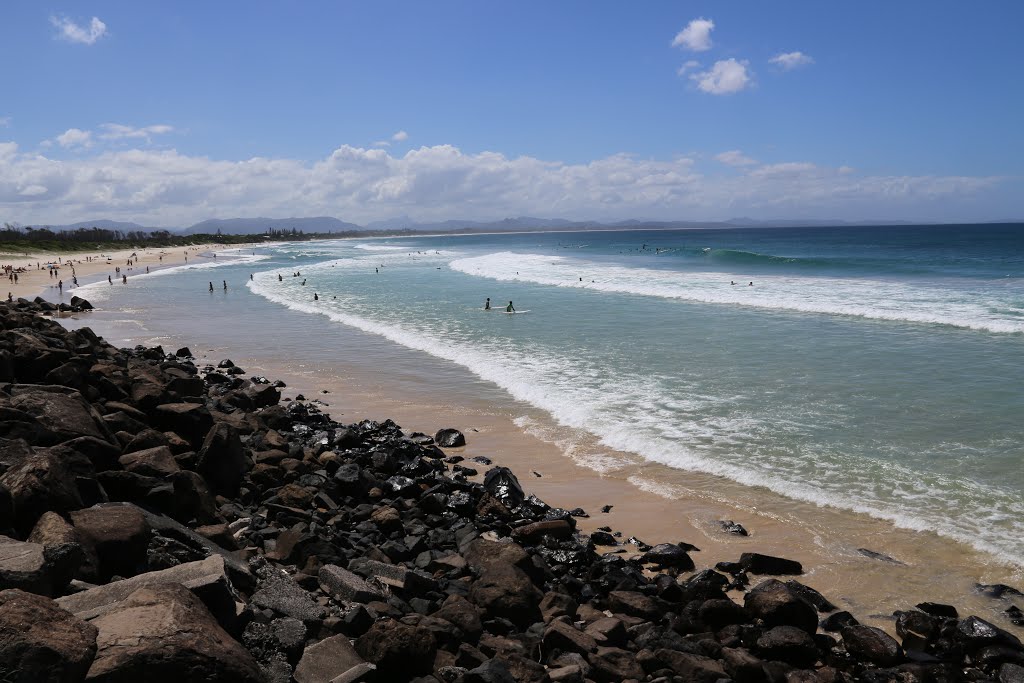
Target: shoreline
[[36, 281], [873, 586]]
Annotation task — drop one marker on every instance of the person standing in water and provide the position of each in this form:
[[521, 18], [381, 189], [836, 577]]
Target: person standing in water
[[225, 285], [211, 285], [487, 304], [510, 308]]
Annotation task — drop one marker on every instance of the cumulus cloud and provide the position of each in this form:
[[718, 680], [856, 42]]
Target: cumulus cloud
[[74, 137], [696, 36], [791, 60], [734, 157], [165, 187], [400, 136], [73, 33], [725, 77], [117, 131]]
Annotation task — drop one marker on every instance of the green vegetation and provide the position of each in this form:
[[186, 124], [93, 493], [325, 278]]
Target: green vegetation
[[14, 239]]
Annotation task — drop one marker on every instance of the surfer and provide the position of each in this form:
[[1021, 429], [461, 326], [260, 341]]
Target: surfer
[[487, 304], [510, 308]]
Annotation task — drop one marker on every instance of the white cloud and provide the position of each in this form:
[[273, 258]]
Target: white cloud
[[74, 137], [73, 33], [117, 131], [164, 187], [688, 66], [400, 136], [791, 60], [725, 77], [734, 157], [696, 36], [382, 143]]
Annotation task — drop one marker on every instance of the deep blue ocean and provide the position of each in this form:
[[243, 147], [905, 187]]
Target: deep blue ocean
[[873, 369]]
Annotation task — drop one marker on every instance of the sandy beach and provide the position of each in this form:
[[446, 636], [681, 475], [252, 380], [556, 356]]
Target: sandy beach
[[40, 272]]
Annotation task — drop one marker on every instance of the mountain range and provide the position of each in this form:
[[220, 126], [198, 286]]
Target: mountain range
[[329, 224]]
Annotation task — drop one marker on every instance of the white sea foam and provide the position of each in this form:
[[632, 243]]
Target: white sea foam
[[973, 307], [639, 414]]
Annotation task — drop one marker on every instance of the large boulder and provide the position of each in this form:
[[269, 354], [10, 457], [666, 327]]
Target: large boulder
[[150, 462], [506, 591], [191, 421], [67, 416], [117, 535], [164, 633], [871, 644], [778, 605], [329, 659], [207, 579], [449, 438], [222, 460], [39, 484], [42, 643], [399, 650], [37, 568]]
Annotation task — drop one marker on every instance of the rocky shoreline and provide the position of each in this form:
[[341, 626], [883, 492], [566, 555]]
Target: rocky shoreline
[[160, 521]]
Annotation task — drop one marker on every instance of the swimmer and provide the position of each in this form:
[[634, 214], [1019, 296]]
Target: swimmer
[[487, 304], [279, 278], [750, 284], [316, 297]]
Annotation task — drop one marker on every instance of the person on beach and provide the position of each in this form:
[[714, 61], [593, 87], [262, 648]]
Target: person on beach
[[109, 281], [211, 285], [510, 308], [124, 279], [60, 286], [487, 304], [10, 297]]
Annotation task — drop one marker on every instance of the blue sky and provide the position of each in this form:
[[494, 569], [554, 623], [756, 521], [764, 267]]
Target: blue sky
[[170, 113]]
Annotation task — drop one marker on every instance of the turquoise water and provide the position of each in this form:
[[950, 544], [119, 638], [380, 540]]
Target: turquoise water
[[872, 369]]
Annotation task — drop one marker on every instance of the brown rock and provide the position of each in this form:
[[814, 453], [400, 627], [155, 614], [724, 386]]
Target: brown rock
[[191, 421], [567, 638], [329, 659], [67, 416], [462, 613], [532, 533], [300, 497], [695, 668], [634, 604], [164, 633], [872, 644], [39, 484], [398, 650], [40, 642], [387, 519], [117, 534], [774, 602], [506, 591], [612, 665], [151, 462], [222, 459]]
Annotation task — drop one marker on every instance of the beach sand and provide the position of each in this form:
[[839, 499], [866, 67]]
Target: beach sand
[[87, 266], [653, 502]]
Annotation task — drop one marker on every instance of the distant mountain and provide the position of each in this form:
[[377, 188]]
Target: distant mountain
[[102, 224], [251, 226]]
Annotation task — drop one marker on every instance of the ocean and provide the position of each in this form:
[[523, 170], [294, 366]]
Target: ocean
[[871, 370]]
